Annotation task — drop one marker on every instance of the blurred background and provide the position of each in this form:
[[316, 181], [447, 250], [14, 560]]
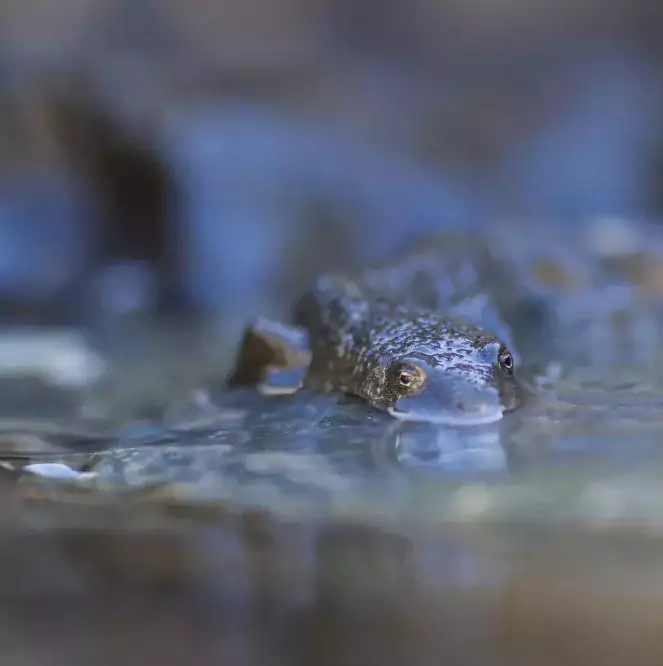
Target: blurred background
[[210, 158], [170, 169]]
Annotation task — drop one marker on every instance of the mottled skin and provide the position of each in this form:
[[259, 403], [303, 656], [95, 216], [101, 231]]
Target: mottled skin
[[370, 336], [360, 346]]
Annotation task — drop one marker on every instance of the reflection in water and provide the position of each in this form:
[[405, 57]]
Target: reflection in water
[[318, 453], [311, 529], [453, 450]]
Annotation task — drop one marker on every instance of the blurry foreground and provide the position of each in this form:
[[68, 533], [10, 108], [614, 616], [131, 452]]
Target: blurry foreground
[[168, 170]]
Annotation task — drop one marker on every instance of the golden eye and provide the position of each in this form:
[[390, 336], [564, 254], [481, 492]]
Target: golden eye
[[410, 376]]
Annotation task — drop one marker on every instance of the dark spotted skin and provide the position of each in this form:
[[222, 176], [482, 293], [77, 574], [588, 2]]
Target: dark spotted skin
[[355, 340], [425, 316], [451, 300]]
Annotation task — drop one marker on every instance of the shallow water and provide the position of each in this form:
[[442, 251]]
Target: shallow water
[[325, 456], [308, 529], [314, 529]]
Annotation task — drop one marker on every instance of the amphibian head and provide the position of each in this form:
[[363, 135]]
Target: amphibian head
[[432, 371]]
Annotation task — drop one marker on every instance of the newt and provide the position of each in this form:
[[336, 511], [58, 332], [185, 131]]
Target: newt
[[360, 336]]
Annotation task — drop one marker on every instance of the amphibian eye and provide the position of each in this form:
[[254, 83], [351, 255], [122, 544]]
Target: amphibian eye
[[506, 360], [410, 377]]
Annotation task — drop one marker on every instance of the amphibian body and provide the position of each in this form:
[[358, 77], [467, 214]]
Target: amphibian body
[[413, 362]]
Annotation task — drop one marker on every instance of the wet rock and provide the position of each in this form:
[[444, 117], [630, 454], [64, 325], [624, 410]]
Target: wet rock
[[58, 357]]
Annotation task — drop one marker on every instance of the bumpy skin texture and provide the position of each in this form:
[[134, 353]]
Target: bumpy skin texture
[[359, 339], [399, 336], [556, 299]]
